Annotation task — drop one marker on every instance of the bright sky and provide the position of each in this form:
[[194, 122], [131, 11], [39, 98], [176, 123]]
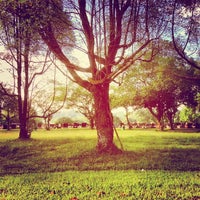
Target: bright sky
[[6, 77]]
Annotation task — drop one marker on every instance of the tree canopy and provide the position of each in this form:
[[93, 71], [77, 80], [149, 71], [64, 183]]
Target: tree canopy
[[155, 86]]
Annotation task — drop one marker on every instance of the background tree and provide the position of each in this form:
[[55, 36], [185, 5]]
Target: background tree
[[17, 36], [143, 115], [190, 112], [160, 103], [53, 99], [121, 98], [65, 121], [81, 100], [8, 108], [155, 86], [186, 115], [150, 87]]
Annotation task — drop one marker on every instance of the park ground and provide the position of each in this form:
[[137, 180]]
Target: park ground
[[62, 164]]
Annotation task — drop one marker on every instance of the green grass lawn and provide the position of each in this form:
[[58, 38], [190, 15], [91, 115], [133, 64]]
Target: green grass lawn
[[62, 164]]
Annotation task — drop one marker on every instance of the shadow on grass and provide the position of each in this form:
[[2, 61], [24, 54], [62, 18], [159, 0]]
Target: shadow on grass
[[149, 159], [185, 130], [16, 160]]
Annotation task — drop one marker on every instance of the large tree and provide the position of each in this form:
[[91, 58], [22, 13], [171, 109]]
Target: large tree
[[114, 35], [18, 38]]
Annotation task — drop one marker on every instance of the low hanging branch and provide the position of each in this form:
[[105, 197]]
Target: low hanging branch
[[179, 49]]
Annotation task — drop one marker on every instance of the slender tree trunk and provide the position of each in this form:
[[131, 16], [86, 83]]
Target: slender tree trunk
[[127, 118], [23, 102], [171, 122], [47, 123], [91, 120], [23, 134], [8, 119], [170, 117], [104, 120], [160, 125]]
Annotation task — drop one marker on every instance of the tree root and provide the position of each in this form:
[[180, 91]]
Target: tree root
[[111, 149]]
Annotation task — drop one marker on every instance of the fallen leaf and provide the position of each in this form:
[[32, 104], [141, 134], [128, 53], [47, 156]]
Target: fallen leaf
[[100, 193], [74, 198], [52, 192]]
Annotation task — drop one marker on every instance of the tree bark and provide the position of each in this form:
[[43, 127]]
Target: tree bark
[[104, 120], [23, 134], [23, 102], [170, 116]]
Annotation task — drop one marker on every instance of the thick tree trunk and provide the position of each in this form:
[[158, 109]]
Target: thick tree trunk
[[104, 120], [170, 117], [160, 125], [171, 122], [23, 134]]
